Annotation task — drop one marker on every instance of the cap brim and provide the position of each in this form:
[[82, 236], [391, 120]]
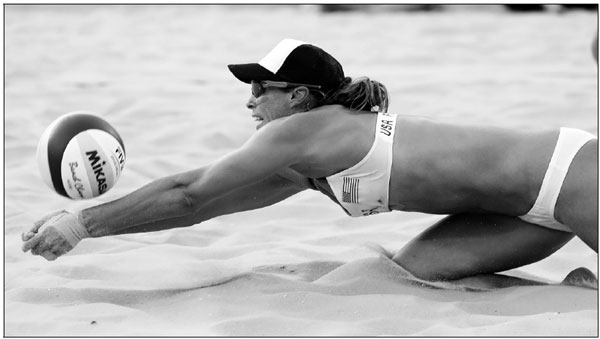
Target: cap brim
[[248, 72]]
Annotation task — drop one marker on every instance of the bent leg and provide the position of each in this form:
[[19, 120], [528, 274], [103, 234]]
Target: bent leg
[[577, 204], [465, 245]]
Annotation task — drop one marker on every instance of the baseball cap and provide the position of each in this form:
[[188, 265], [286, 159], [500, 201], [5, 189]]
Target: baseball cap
[[293, 61]]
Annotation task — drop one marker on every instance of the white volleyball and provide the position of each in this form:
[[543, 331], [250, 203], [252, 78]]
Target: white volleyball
[[80, 155]]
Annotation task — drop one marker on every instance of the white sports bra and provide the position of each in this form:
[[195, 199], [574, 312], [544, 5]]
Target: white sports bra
[[363, 189]]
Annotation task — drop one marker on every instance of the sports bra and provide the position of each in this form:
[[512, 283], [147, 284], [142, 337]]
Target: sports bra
[[363, 189]]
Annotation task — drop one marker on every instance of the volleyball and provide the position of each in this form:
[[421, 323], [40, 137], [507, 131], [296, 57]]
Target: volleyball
[[80, 155]]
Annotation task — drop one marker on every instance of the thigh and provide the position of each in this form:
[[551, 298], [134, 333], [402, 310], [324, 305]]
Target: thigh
[[577, 204], [464, 245]]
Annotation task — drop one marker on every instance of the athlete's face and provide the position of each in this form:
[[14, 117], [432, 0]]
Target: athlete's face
[[273, 103]]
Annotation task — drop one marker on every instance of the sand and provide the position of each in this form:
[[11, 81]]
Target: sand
[[301, 267]]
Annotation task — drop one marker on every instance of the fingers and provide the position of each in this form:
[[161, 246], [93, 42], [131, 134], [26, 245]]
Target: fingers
[[49, 256], [49, 244], [46, 254], [29, 235], [41, 222], [31, 242]]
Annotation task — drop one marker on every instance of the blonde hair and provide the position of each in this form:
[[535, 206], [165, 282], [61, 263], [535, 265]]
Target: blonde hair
[[361, 94]]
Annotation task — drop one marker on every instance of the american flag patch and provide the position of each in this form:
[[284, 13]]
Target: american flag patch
[[350, 190]]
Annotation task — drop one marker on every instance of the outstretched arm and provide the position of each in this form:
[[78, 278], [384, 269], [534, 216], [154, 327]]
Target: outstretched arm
[[56, 240], [189, 197], [262, 194], [228, 185]]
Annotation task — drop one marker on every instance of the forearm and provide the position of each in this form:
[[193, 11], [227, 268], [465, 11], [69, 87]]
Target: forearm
[[264, 193], [247, 168], [161, 200], [161, 225]]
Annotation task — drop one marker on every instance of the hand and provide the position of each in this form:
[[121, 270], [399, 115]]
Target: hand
[[62, 232]]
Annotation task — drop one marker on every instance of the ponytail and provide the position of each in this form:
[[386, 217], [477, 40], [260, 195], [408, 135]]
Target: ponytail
[[362, 94]]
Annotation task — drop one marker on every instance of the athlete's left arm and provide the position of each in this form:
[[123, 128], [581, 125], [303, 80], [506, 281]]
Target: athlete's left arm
[[272, 149]]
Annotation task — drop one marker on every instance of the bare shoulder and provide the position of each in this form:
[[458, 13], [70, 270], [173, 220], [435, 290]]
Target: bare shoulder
[[317, 119], [292, 136], [322, 141]]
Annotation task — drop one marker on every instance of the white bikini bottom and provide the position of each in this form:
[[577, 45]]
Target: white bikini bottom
[[569, 143]]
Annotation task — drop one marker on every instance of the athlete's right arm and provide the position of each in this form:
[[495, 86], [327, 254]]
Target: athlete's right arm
[[261, 194], [62, 231]]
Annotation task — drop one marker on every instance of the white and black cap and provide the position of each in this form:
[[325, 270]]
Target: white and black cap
[[293, 61]]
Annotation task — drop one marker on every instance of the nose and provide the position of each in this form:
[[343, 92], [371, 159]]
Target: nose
[[251, 103]]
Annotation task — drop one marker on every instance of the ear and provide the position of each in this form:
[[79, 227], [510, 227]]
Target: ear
[[300, 95]]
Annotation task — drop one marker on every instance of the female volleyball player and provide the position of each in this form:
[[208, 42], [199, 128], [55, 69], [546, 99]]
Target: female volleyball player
[[513, 197]]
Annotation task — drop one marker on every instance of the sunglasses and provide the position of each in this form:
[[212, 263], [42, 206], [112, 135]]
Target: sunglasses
[[259, 88]]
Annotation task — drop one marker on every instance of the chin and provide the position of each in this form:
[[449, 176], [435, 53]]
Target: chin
[[261, 125]]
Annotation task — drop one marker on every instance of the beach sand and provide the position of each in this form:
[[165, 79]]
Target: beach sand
[[301, 267]]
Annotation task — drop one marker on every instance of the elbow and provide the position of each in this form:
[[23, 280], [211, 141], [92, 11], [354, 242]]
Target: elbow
[[187, 202], [182, 196]]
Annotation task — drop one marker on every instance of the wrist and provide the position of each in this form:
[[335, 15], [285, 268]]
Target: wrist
[[70, 227], [82, 229]]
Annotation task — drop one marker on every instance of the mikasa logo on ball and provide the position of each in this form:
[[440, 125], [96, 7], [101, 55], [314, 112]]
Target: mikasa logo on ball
[[97, 166]]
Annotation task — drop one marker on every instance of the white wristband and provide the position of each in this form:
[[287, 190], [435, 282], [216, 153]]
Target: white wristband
[[71, 227]]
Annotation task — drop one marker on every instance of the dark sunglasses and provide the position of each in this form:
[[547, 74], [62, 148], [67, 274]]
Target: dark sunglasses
[[259, 88]]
